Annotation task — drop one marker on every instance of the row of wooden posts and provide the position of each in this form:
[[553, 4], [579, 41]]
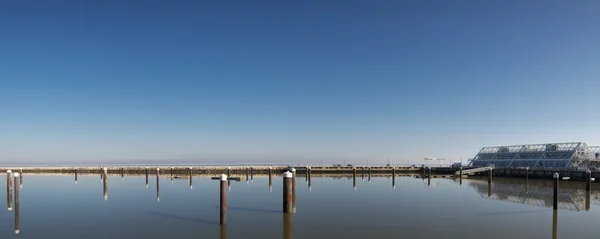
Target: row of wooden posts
[[14, 190]]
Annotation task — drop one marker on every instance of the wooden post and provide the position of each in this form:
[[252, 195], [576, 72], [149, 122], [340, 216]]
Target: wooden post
[[588, 181], [157, 184], [393, 177], [21, 177], [191, 178], [16, 188], [294, 190], [555, 196], [9, 189], [287, 192], [270, 179], [363, 173], [105, 184], [270, 172], [223, 199], [460, 176], [354, 178]]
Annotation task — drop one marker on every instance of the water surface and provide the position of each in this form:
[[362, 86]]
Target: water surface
[[54, 206]]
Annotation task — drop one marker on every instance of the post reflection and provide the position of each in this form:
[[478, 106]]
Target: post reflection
[[554, 223], [223, 232], [287, 225]]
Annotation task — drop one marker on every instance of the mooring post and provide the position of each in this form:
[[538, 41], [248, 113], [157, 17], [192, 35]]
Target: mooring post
[[555, 196], [16, 188], [527, 174], [294, 190], [460, 176], [490, 176], [101, 173], [363, 172], [270, 172], [191, 178], [9, 189], [105, 187], [157, 184], [287, 192], [369, 174], [588, 181], [21, 177], [223, 199], [122, 172], [393, 177], [270, 179], [354, 178]]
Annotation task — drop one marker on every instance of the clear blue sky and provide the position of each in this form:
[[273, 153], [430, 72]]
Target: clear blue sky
[[263, 81]]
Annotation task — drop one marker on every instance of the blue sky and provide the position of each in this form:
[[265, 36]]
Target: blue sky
[[276, 81]]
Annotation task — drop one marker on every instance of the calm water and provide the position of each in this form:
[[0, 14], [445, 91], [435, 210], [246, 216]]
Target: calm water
[[54, 206]]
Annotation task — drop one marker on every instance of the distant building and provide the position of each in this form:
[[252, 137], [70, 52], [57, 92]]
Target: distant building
[[576, 155]]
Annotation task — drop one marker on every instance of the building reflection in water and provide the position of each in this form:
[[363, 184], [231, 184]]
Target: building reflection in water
[[572, 195]]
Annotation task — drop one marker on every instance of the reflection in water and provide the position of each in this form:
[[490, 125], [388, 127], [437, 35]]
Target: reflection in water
[[9, 189], [554, 223], [287, 225], [16, 188], [394, 182], [223, 232], [21, 178], [75, 175], [571, 196], [354, 182]]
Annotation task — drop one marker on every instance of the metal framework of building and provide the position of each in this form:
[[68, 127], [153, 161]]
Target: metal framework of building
[[574, 155]]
